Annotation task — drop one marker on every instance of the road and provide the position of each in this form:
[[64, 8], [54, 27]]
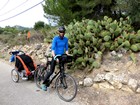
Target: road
[[25, 92]]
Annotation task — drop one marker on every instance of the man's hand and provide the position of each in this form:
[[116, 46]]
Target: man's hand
[[56, 59], [53, 54]]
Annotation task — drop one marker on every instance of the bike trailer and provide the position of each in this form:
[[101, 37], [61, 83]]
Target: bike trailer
[[25, 62]]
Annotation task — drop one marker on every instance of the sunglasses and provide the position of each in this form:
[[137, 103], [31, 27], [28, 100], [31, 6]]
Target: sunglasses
[[61, 31]]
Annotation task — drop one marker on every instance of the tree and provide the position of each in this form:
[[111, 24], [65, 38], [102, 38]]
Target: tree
[[64, 11], [38, 25], [1, 30], [129, 8]]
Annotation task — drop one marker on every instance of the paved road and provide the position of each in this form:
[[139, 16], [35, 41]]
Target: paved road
[[25, 92]]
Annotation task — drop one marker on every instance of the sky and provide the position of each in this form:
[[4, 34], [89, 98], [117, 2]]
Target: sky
[[11, 8]]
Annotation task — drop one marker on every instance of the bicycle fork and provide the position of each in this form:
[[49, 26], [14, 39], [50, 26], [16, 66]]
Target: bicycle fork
[[63, 82]]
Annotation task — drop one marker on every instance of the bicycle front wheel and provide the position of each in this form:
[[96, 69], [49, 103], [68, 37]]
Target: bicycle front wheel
[[66, 87], [39, 76], [15, 75]]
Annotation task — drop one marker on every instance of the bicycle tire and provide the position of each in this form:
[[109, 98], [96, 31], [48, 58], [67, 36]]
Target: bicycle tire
[[66, 94], [15, 75], [39, 76]]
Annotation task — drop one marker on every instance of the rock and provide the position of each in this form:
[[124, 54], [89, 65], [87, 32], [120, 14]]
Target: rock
[[120, 55], [43, 60], [123, 51], [81, 83], [116, 84], [41, 56], [105, 85], [39, 52], [122, 78], [115, 69], [38, 46], [138, 90], [31, 52], [126, 88], [48, 50], [113, 53], [99, 78], [88, 82], [133, 84], [96, 85], [109, 76]]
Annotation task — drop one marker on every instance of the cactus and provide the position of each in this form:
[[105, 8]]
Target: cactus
[[88, 38], [126, 44], [133, 57], [96, 64], [105, 33], [107, 38], [134, 48]]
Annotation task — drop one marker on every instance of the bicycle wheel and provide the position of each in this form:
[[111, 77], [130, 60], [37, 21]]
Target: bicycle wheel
[[39, 76], [15, 75], [66, 87]]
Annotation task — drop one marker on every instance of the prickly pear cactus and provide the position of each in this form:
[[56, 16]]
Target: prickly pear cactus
[[88, 37]]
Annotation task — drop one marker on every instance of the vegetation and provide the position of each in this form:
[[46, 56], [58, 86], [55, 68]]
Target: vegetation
[[66, 11], [89, 39], [13, 35], [38, 25]]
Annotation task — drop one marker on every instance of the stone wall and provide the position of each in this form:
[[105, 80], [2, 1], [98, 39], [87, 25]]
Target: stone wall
[[122, 74]]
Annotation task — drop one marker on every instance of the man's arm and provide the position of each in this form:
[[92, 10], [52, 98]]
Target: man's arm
[[53, 46], [67, 47]]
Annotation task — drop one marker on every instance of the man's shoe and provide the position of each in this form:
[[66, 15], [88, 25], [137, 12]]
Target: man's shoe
[[44, 87]]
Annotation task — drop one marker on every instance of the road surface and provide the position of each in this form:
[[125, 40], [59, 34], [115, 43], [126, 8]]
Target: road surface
[[25, 92]]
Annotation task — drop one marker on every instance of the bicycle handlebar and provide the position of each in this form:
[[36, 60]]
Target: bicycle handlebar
[[55, 57], [64, 58]]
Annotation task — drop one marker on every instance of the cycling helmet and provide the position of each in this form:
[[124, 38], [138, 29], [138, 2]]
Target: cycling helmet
[[61, 29]]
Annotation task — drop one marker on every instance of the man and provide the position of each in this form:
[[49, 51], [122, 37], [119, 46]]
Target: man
[[59, 47]]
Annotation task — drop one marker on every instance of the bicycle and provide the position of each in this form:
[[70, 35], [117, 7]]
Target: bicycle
[[65, 84]]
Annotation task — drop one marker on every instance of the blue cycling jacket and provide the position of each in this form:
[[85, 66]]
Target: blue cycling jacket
[[59, 46]]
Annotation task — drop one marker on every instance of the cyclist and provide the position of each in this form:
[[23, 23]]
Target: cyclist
[[59, 47]]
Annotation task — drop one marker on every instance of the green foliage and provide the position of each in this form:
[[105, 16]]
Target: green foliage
[[133, 57], [64, 11], [39, 25], [129, 8], [1, 30], [89, 39]]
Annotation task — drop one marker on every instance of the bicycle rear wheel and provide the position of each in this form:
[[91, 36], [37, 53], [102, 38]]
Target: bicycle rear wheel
[[15, 75], [66, 87]]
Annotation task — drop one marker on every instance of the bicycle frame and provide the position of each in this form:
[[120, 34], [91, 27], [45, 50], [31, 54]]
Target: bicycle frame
[[60, 72]]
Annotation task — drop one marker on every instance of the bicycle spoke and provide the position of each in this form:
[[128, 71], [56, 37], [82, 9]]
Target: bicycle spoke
[[68, 93], [15, 75], [39, 76]]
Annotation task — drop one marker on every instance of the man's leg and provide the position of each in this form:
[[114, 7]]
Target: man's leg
[[47, 76]]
